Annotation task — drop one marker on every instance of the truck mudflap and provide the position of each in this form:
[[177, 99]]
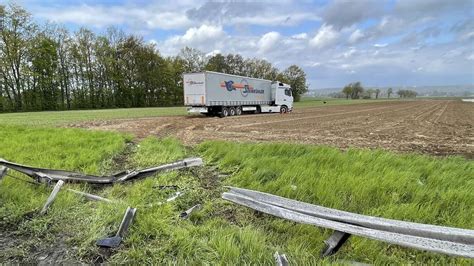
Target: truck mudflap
[[197, 110]]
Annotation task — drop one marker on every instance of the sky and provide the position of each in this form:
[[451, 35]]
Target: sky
[[380, 43]]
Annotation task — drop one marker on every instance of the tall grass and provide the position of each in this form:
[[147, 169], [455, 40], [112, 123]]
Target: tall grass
[[70, 149], [406, 187]]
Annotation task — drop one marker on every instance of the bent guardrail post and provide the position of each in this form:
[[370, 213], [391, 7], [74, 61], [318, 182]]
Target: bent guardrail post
[[280, 260], [175, 196], [52, 196], [113, 242], [90, 196], [334, 243], [187, 213], [3, 172], [417, 242]]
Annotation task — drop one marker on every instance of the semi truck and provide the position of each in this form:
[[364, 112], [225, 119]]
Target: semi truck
[[220, 94]]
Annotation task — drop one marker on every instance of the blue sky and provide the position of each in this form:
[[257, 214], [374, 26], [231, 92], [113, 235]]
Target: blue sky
[[380, 43]]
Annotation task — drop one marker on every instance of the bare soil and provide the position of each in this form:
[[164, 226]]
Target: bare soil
[[436, 127]]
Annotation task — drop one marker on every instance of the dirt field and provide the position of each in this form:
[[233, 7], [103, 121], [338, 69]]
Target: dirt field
[[438, 127]]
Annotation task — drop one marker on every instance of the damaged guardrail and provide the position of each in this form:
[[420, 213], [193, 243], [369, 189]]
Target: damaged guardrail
[[386, 230], [48, 175], [113, 242]]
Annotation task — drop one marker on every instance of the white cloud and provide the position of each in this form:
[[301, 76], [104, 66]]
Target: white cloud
[[213, 52], [167, 20], [326, 36], [268, 41], [349, 52], [356, 36], [380, 45], [205, 37], [172, 14], [300, 36]]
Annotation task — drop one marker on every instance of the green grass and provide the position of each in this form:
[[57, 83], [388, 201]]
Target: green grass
[[66, 117], [317, 101], [59, 118], [408, 187]]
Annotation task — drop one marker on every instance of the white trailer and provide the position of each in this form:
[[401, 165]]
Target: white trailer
[[214, 93]]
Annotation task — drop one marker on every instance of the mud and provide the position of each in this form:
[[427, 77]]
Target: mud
[[436, 127]]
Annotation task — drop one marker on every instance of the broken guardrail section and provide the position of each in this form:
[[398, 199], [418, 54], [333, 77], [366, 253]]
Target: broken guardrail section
[[48, 175], [429, 239], [113, 242], [3, 172], [280, 259], [188, 212]]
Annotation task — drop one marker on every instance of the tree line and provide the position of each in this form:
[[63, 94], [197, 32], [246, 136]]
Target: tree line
[[46, 67], [355, 90]]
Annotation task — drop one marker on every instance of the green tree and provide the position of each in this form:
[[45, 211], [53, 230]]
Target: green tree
[[193, 60], [44, 92], [217, 63], [16, 33], [296, 78], [389, 92], [357, 90], [377, 93], [347, 90]]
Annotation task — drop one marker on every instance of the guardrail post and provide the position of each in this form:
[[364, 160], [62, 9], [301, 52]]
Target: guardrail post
[[280, 260], [3, 172], [113, 242], [52, 196], [334, 243]]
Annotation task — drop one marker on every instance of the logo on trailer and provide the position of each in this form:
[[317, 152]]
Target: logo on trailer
[[243, 86], [192, 82]]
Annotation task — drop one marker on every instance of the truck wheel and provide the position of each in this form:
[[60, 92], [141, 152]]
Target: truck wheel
[[225, 112], [238, 110], [284, 110], [232, 111], [258, 110]]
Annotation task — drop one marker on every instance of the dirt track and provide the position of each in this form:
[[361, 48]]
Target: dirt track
[[438, 127]]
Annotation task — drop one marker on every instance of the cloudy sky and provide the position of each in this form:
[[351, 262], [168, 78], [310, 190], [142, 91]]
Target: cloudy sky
[[380, 43]]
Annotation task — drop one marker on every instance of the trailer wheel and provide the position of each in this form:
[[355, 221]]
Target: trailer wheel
[[284, 110], [232, 111], [225, 112], [238, 110]]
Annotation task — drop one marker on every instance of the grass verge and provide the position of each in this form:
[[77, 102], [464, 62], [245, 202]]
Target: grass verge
[[66, 117], [408, 187]]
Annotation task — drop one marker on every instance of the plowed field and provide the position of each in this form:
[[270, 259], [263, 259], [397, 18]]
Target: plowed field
[[438, 127]]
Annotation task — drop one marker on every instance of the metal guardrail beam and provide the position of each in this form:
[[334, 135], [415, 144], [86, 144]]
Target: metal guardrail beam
[[68, 176], [422, 243], [460, 235]]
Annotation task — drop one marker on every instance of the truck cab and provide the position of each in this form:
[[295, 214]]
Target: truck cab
[[282, 96]]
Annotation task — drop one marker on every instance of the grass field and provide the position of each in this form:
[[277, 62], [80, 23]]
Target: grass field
[[54, 118], [408, 187], [64, 117]]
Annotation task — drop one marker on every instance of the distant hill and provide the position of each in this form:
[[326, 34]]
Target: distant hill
[[433, 91]]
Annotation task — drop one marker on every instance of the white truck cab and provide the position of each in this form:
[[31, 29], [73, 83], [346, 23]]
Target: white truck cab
[[282, 96]]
